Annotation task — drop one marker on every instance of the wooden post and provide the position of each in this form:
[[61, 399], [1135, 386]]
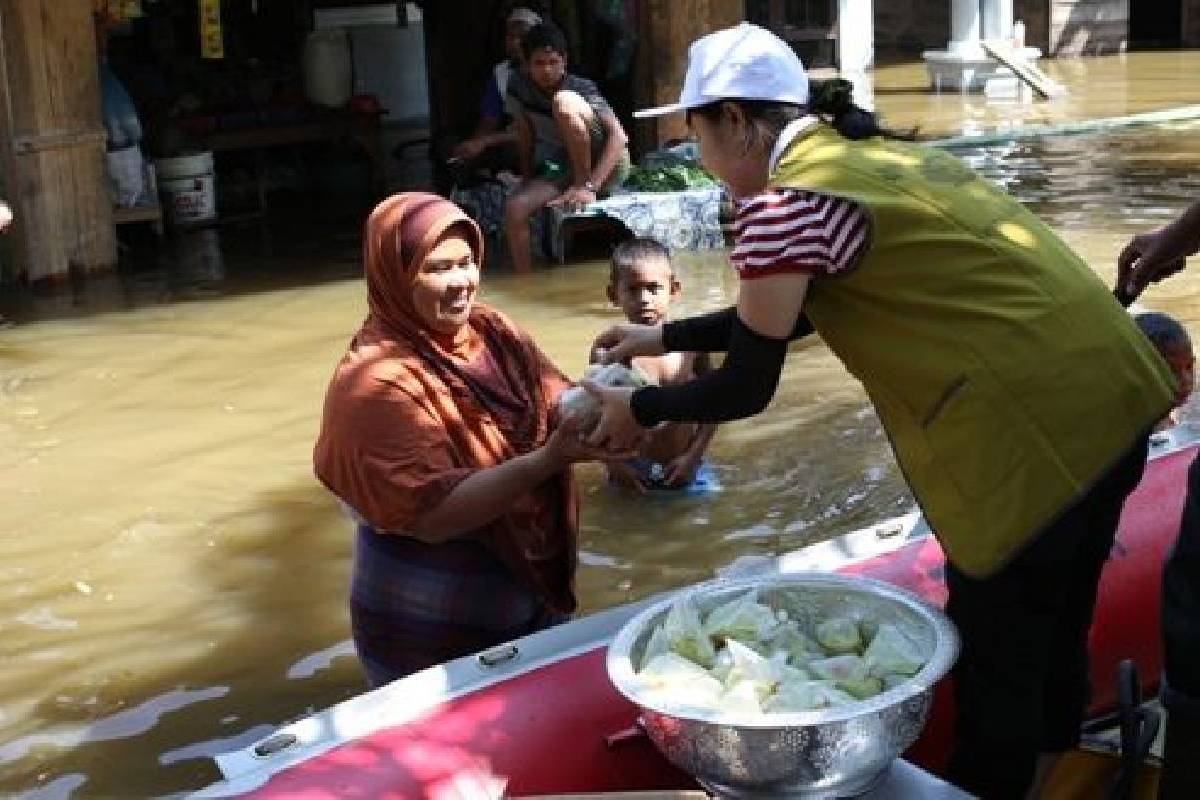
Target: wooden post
[[668, 28], [52, 143]]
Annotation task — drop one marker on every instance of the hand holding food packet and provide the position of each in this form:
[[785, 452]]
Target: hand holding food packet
[[580, 405]]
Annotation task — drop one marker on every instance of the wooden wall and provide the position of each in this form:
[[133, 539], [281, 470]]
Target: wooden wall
[[667, 28], [1191, 23], [903, 28], [52, 140], [1036, 16]]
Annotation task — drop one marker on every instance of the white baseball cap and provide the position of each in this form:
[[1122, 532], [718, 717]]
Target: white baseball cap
[[745, 62]]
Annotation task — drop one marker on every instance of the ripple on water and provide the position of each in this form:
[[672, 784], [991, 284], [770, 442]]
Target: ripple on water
[[60, 787], [46, 619], [121, 725], [316, 662]]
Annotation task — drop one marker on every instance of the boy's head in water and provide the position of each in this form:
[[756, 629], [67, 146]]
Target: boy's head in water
[[1173, 343]]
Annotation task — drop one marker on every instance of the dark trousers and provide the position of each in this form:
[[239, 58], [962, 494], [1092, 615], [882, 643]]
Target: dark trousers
[[1021, 681], [1181, 649]]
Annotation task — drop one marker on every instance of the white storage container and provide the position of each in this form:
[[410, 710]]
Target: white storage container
[[327, 67]]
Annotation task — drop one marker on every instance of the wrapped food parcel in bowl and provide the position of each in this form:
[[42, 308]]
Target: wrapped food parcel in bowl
[[801, 685]]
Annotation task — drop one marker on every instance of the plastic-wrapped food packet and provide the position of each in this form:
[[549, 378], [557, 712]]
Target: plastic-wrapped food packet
[[581, 405]]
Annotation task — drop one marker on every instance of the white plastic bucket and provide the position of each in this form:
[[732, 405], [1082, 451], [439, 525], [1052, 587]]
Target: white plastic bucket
[[188, 166], [188, 186], [327, 68]]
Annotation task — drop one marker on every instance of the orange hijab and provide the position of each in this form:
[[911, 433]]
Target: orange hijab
[[410, 413]]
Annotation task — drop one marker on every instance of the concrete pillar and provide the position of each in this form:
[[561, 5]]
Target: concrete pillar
[[997, 22], [856, 35], [964, 66], [965, 27], [856, 47]]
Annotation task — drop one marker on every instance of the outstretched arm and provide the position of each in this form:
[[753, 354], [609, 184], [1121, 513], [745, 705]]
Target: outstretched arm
[[1153, 256], [767, 311]]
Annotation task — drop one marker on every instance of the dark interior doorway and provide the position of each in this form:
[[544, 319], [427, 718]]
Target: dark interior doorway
[[1155, 24], [809, 26]]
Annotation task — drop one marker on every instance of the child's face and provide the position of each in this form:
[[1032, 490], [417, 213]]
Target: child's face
[[1183, 364], [644, 291]]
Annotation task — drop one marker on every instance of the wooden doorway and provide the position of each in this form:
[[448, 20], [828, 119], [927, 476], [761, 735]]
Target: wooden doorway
[[809, 26], [1156, 24]]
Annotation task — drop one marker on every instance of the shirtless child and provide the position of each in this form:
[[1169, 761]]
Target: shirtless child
[[642, 284]]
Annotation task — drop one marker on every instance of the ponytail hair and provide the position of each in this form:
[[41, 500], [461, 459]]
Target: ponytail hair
[[831, 100]]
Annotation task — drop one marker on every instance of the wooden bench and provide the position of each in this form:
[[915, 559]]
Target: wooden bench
[[148, 213]]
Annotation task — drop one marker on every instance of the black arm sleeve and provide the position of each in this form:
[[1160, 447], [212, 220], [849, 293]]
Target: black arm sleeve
[[711, 333], [742, 386]]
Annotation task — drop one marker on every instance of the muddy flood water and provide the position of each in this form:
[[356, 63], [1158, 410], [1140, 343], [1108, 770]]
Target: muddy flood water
[[172, 578]]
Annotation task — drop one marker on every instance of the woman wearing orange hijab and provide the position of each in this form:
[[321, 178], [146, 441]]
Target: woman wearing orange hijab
[[437, 434]]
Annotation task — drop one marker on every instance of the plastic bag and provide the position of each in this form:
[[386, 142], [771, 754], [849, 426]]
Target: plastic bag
[[747, 665], [742, 618], [839, 635], [893, 652], [684, 635], [674, 681], [656, 646], [120, 115], [581, 405], [126, 171], [800, 648], [743, 697], [806, 695], [849, 673]]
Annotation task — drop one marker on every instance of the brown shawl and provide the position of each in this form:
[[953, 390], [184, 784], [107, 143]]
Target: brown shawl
[[411, 413]]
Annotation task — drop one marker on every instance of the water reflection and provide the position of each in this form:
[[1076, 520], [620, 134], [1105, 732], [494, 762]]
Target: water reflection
[[172, 579]]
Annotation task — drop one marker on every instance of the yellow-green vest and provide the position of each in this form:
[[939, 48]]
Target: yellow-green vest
[[1006, 375]]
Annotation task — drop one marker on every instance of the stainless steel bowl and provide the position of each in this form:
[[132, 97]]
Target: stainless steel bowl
[[828, 753]]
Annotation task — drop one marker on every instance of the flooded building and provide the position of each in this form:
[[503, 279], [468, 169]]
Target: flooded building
[[338, 101]]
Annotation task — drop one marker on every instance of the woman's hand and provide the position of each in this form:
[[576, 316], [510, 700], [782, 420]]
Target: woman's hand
[[622, 343], [617, 431], [566, 446]]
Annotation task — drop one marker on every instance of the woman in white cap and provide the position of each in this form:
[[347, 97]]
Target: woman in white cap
[[1016, 392]]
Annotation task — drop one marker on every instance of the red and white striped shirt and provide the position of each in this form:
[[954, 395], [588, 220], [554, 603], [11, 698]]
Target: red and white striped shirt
[[793, 230]]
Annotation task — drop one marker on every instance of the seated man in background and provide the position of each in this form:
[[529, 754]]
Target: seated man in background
[[491, 146], [570, 145]]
